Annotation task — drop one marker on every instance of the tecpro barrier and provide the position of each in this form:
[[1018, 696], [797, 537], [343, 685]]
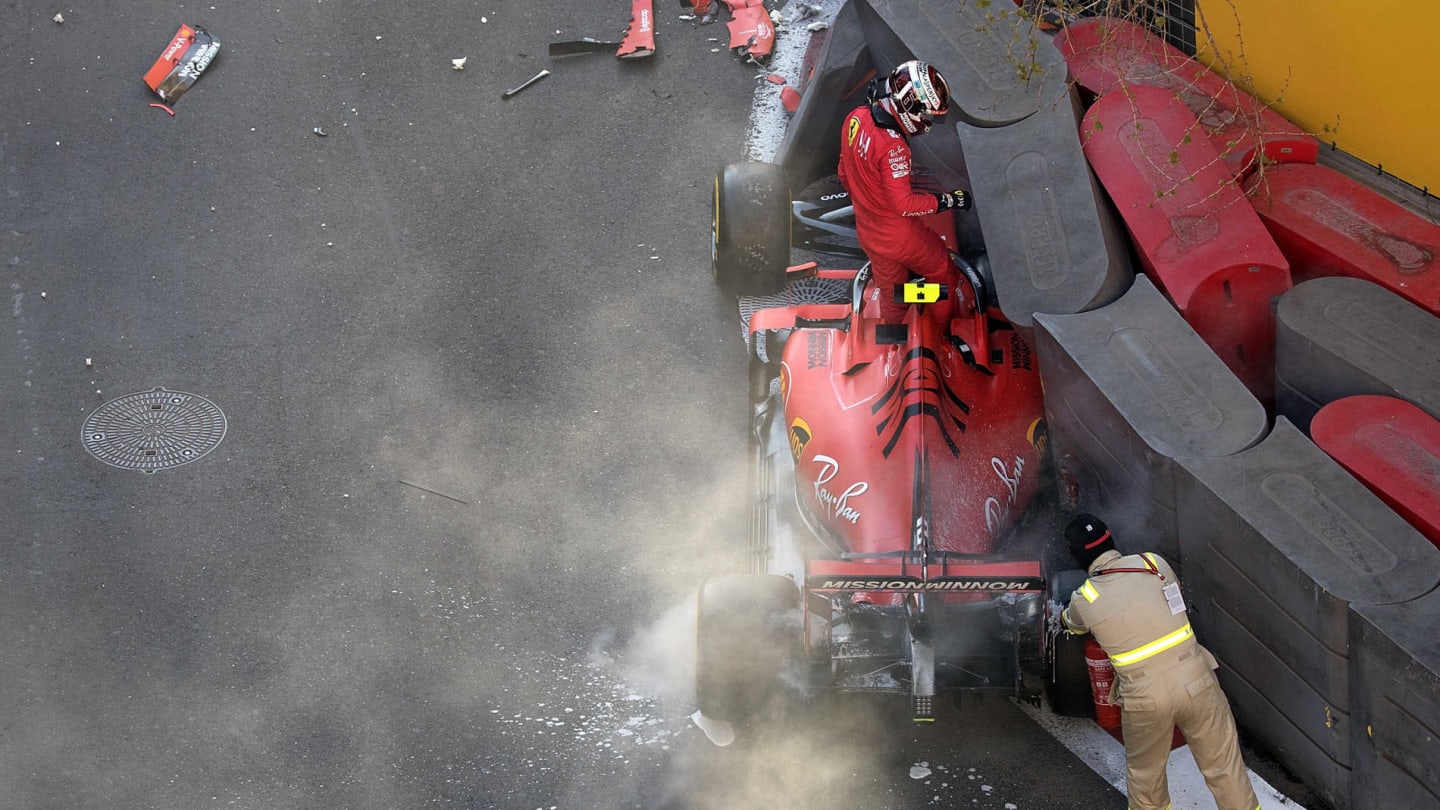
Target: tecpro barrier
[[1390, 446], [1329, 224], [1193, 229]]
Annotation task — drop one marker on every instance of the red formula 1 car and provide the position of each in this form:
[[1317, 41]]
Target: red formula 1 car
[[904, 534], [895, 468]]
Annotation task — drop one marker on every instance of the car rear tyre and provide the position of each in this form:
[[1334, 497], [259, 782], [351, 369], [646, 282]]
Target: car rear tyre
[[1067, 680], [747, 636], [750, 230]]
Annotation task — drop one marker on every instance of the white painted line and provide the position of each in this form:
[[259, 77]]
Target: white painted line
[[1106, 757]]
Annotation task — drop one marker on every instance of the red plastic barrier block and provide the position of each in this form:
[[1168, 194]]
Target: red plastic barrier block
[[1104, 52], [1329, 224], [1390, 446], [1198, 237]]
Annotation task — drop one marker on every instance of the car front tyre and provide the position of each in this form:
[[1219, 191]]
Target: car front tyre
[[750, 229]]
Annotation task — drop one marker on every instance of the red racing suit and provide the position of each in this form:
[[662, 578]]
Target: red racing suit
[[875, 170]]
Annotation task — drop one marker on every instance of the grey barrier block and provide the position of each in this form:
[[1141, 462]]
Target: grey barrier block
[[1395, 735], [999, 66], [1055, 244], [1279, 541], [1307, 750], [810, 148], [1129, 388], [1338, 337]]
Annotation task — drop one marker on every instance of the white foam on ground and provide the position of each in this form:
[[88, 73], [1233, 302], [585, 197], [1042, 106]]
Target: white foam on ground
[[719, 732], [768, 117]]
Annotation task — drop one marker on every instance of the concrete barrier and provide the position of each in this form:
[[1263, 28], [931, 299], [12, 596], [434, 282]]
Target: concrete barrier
[[999, 66], [1339, 337], [1055, 245], [1396, 686], [1278, 542], [1130, 388], [810, 148]]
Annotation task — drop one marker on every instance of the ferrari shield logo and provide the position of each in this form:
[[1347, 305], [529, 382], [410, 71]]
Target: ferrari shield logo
[[851, 130], [920, 292]]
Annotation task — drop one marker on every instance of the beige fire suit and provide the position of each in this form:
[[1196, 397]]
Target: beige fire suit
[[1164, 678]]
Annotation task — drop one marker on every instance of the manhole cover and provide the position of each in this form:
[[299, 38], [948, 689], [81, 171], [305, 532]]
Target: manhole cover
[[153, 430]]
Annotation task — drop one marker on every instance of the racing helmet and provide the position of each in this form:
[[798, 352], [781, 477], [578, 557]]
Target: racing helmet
[[918, 94]]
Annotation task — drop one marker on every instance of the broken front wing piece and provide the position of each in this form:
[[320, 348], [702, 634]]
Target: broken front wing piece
[[640, 35], [190, 51], [752, 32]]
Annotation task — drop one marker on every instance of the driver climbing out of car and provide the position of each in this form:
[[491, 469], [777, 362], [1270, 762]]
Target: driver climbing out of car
[[875, 169]]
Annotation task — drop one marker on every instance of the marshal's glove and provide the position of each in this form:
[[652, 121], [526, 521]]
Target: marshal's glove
[[955, 199]]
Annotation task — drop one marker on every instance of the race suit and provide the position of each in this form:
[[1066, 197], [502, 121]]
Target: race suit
[[875, 170]]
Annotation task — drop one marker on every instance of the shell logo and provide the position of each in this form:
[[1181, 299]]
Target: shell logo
[[800, 436]]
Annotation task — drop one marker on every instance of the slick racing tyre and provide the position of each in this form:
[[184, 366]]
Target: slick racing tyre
[[750, 230], [1067, 682], [1067, 689], [747, 636]]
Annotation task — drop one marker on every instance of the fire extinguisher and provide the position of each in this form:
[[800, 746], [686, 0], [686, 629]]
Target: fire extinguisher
[[1102, 681]]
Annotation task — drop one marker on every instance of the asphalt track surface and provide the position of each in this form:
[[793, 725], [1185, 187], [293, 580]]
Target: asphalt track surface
[[485, 427]]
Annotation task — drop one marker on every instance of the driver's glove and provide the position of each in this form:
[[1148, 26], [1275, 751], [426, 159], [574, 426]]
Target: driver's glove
[[953, 199]]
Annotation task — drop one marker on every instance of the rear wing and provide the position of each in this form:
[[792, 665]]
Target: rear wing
[[939, 574]]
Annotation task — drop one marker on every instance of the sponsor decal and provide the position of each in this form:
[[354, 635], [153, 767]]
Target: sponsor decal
[[784, 384], [180, 41], [800, 436], [644, 20], [837, 196], [996, 513], [899, 160], [837, 506], [920, 292], [196, 64], [924, 89], [908, 584], [188, 54], [817, 349], [1038, 434], [852, 129]]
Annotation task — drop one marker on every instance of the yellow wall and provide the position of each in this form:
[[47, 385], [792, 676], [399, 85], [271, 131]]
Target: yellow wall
[[1365, 75]]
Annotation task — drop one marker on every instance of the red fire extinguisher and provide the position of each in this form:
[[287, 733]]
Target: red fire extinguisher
[[1102, 682]]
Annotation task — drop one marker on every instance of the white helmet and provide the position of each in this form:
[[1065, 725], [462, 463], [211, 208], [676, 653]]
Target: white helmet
[[918, 95]]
